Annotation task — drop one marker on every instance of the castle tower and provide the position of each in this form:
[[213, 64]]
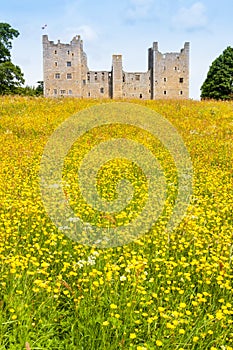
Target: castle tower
[[64, 67], [117, 76], [169, 73]]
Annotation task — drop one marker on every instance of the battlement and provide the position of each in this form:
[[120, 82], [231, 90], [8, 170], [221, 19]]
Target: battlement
[[66, 74]]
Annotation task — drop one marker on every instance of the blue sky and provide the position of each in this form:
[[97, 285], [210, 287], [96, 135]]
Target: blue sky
[[125, 27]]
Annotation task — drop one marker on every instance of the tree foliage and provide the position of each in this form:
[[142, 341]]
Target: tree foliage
[[31, 90], [219, 82], [11, 76]]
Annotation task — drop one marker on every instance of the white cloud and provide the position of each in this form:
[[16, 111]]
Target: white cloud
[[191, 18], [86, 32], [139, 9]]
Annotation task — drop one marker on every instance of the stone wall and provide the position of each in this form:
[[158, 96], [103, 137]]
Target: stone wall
[[171, 73], [66, 74], [136, 85]]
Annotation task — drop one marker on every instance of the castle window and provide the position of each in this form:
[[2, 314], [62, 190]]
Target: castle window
[[55, 52], [181, 92], [123, 78], [63, 92], [102, 90], [137, 77], [103, 76], [70, 92], [89, 94], [84, 82], [69, 76], [88, 76], [164, 79], [165, 92], [57, 76], [55, 91], [55, 64], [181, 80], [96, 78], [68, 64], [175, 68], [140, 95], [72, 54], [68, 52]]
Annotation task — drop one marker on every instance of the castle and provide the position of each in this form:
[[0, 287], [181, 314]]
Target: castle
[[66, 74]]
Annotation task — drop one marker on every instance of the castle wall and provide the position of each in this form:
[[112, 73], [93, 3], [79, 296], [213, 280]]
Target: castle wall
[[64, 67], [170, 73], [97, 85], [136, 85], [66, 74]]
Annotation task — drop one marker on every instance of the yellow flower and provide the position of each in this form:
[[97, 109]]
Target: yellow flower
[[161, 309], [150, 320], [96, 283], [195, 339], [219, 315], [105, 323], [182, 305], [113, 306], [159, 343], [170, 325], [132, 336]]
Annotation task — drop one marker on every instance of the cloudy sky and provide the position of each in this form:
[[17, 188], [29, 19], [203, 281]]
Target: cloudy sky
[[125, 27]]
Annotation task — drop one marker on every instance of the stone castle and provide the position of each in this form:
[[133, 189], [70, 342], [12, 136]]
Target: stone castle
[[66, 73]]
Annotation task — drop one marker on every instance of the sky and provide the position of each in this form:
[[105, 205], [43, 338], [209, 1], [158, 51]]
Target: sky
[[127, 27]]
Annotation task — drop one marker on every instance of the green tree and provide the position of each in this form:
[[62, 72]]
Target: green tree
[[11, 76], [31, 90], [40, 88], [219, 82]]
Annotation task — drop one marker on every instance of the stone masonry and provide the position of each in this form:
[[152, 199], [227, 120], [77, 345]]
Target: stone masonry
[[66, 74]]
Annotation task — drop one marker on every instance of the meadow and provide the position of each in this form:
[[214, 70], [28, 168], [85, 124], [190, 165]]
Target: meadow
[[165, 290]]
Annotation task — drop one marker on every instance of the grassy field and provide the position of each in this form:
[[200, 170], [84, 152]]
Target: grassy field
[[165, 290]]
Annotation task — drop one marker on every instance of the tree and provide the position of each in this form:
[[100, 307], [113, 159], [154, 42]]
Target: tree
[[31, 90], [40, 88], [219, 82], [11, 76]]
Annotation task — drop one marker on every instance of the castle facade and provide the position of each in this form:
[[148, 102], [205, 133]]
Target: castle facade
[[66, 73]]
